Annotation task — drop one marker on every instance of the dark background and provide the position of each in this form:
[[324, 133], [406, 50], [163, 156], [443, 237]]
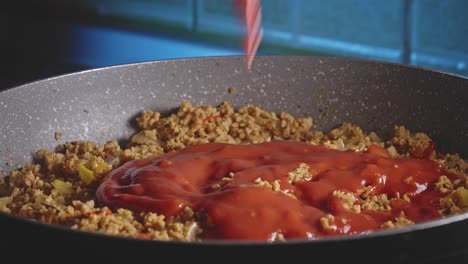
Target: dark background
[[45, 38]]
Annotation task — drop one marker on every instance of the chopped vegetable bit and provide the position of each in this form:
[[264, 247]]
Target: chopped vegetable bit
[[144, 236], [63, 188], [460, 196], [86, 175]]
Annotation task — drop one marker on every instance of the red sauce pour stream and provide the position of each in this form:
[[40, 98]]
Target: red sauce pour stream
[[242, 211]]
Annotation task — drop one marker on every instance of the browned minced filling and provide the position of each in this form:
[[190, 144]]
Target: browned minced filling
[[60, 188]]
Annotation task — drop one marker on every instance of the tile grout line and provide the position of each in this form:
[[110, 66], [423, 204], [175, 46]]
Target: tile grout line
[[407, 31], [295, 22], [195, 5]]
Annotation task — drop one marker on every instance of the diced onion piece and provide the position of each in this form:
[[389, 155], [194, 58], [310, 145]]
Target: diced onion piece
[[63, 188], [86, 175], [460, 196]]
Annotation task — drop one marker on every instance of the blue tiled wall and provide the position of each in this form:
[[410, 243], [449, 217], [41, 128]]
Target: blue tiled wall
[[440, 34], [429, 33], [364, 28], [179, 12], [218, 17]]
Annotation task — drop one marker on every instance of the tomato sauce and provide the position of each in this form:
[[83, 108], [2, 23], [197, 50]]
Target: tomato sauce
[[238, 209]]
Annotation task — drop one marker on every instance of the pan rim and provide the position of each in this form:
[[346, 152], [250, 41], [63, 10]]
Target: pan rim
[[239, 57], [323, 240]]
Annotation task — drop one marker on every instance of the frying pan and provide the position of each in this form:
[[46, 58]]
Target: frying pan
[[100, 104]]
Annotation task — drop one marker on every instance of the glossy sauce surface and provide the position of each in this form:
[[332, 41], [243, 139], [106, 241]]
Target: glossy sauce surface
[[220, 181]]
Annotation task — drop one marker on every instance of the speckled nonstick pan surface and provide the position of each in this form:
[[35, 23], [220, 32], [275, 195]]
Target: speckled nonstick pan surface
[[99, 104]]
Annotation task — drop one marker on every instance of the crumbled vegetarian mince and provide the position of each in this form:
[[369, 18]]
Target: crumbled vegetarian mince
[[327, 222], [376, 203], [453, 163], [278, 237], [349, 136], [60, 188], [57, 135], [349, 200], [412, 144], [398, 222], [455, 202], [365, 192], [274, 186], [443, 185], [232, 90], [224, 181], [300, 174]]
